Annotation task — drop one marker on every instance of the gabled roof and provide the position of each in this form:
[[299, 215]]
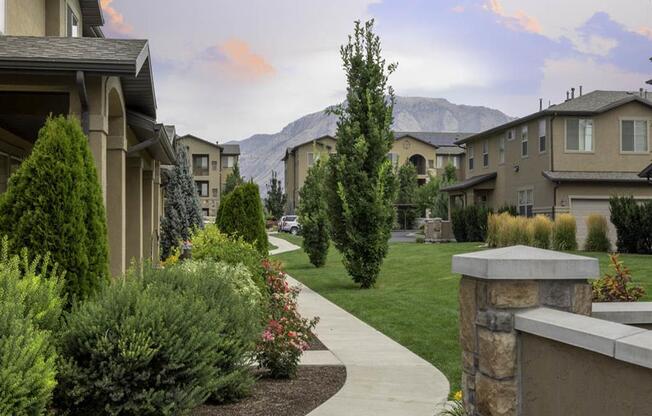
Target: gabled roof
[[92, 17], [230, 149], [192, 137], [647, 172], [126, 58], [294, 148], [584, 176], [433, 138], [476, 180], [593, 103], [153, 138]]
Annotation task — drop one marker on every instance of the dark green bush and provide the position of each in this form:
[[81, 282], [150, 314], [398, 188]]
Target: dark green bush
[[313, 214], [470, 223], [241, 214], [510, 209], [633, 222], [54, 205], [157, 344]]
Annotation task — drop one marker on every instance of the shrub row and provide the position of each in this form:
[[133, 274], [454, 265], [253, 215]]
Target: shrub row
[[470, 223], [505, 230], [633, 222]]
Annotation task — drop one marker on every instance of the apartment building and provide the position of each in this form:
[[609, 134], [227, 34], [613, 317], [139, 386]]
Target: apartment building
[[54, 59], [570, 157]]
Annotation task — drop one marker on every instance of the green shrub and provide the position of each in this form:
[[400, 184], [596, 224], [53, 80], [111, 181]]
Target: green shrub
[[633, 222], [241, 214], [159, 343], [458, 224], [564, 236], [211, 244], [597, 239], [510, 209], [470, 223], [30, 307], [617, 287], [54, 204], [541, 228], [313, 214]]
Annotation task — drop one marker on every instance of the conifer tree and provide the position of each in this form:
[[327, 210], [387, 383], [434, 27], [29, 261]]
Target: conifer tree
[[276, 199], [241, 215], [361, 185], [313, 215], [233, 180], [407, 193]]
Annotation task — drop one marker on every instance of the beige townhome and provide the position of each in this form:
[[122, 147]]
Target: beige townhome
[[570, 157], [210, 164], [429, 152], [54, 59]]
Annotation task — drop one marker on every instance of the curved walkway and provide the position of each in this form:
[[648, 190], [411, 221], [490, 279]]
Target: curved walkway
[[383, 377]]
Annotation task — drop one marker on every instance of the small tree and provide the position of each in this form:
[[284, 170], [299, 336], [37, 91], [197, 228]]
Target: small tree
[[54, 205], [429, 196], [182, 208], [406, 197], [233, 180], [241, 214], [313, 214], [361, 185], [276, 199]]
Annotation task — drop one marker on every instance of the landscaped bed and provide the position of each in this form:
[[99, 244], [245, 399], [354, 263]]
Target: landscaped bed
[[295, 397], [415, 299]]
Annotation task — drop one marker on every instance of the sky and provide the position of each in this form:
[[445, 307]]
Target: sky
[[228, 69]]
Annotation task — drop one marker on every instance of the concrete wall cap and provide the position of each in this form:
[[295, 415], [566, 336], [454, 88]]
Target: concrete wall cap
[[525, 263], [636, 349], [578, 330], [624, 312]]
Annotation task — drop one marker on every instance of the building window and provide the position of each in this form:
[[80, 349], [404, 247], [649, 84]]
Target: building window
[[312, 158], [3, 24], [511, 133], [200, 165], [202, 188], [525, 202], [501, 150], [456, 161], [393, 157], [485, 153], [440, 162], [73, 24], [633, 136], [205, 212], [431, 164], [471, 156], [542, 136], [214, 165], [524, 141], [579, 135], [216, 193], [228, 161]]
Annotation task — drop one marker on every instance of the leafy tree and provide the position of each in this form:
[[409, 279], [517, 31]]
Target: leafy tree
[[313, 213], [361, 185], [241, 215], [182, 209], [233, 180], [429, 196], [276, 199], [407, 193], [54, 205]]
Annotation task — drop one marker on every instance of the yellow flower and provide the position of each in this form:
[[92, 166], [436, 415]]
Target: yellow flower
[[458, 396]]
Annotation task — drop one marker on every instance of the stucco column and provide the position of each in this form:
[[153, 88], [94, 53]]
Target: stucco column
[[495, 285], [116, 158], [157, 212], [148, 214], [134, 209]]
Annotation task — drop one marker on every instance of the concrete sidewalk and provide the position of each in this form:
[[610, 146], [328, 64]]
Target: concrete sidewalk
[[282, 246]]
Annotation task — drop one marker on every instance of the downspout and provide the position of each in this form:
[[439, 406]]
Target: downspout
[[83, 99]]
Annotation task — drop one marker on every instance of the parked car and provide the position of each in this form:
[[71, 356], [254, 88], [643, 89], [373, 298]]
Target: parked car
[[289, 224]]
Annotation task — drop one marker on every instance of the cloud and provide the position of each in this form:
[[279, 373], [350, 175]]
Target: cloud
[[458, 9], [596, 45], [517, 21], [235, 58], [116, 19], [645, 31]]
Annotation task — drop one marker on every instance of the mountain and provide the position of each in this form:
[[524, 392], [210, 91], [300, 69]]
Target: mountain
[[262, 153]]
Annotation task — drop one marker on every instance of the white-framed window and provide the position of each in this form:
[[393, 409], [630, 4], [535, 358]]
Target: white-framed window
[[73, 24], [471, 154], [313, 158], [3, 14], [202, 188], [524, 141], [634, 136], [441, 162], [579, 135], [485, 153], [393, 157], [542, 136], [501, 150], [510, 134], [456, 161], [525, 202]]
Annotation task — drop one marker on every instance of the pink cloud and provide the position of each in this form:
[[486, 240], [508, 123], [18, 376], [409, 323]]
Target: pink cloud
[[116, 19], [237, 59], [458, 9], [645, 31], [518, 21]]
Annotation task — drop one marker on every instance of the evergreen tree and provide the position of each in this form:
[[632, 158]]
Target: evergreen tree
[[233, 180], [241, 215], [313, 215], [429, 196], [276, 199], [361, 185], [182, 209], [54, 204], [407, 193]]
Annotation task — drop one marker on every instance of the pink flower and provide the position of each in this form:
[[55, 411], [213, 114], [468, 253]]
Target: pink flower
[[268, 336], [292, 334]]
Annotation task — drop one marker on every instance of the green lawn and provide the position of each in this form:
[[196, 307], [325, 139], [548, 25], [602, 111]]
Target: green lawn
[[415, 299]]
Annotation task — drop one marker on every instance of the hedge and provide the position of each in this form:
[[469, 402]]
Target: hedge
[[633, 222]]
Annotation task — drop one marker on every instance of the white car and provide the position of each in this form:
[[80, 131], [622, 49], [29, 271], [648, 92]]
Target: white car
[[289, 224]]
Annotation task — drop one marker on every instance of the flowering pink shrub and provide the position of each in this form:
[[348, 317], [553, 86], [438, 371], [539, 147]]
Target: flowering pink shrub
[[287, 334]]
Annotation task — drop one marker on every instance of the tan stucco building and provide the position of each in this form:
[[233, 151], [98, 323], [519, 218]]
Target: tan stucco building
[[211, 163], [54, 59], [429, 152], [570, 157]]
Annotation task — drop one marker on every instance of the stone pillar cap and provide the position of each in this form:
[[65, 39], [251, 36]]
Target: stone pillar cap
[[525, 263]]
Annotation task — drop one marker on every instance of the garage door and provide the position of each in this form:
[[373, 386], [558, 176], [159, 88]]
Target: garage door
[[582, 208]]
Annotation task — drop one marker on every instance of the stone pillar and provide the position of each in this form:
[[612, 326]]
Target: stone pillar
[[116, 202], [148, 214], [495, 285], [134, 209]]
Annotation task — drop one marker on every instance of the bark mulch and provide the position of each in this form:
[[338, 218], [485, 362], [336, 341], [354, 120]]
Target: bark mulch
[[316, 345], [297, 397]]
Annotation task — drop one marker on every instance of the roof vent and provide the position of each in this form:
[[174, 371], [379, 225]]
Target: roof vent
[[573, 93], [567, 95], [540, 104], [640, 92], [580, 90]]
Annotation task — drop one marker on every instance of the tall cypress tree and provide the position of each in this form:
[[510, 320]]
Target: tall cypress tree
[[407, 192], [276, 199], [182, 209], [361, 184], [233, 180], [313, 214], [54, 204]]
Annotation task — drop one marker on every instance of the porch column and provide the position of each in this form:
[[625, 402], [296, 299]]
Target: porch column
[[134, 209], [148, 215], [116, 159]]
